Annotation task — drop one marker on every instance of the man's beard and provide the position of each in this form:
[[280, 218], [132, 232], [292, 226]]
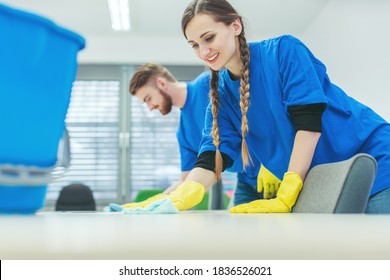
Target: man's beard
[[166, 106]]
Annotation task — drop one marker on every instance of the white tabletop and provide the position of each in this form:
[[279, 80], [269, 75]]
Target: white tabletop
[[194, 235]]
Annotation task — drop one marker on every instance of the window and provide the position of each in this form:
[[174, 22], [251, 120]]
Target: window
[[92, 121], [154, 152]]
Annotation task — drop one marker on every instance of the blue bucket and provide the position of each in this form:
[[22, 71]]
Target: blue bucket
[[37, 69]]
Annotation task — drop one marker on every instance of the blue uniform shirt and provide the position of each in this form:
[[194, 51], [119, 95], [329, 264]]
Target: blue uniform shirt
[[189, 133], [283, 72]]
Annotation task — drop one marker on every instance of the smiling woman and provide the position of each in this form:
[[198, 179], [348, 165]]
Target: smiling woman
[[293, 115]]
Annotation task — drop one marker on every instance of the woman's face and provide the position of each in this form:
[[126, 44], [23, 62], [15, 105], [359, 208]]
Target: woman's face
[[215, 43]]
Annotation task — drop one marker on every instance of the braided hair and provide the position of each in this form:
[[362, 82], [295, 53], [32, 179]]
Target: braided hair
[[222, 11]]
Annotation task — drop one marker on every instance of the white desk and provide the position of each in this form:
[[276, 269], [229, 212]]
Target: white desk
[[194, 235]]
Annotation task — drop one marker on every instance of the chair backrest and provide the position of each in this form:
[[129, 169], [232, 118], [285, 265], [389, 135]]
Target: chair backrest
[[339, 187], [76, 197]]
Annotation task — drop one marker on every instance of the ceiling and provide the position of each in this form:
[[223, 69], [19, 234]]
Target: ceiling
[[161, 18]]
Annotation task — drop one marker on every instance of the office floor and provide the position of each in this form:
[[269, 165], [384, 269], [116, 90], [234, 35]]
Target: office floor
[[194, 235]]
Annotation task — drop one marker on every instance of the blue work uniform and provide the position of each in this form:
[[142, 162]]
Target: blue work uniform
[[189, 133], [283, 72]]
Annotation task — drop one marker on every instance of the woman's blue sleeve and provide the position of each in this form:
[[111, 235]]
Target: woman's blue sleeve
[[302, 74]]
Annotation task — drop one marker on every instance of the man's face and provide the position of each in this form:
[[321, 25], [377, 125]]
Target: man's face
[[155, 98]]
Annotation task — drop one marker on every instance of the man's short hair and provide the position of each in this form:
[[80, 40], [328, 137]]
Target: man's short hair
[[147, 73]]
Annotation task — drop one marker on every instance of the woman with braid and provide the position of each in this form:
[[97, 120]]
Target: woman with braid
[[274, 101]]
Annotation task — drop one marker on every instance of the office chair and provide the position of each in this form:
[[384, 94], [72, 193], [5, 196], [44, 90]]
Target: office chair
[[339, 187], [75, 197]]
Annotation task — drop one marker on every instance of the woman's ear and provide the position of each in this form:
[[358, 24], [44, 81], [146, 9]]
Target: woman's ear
[[237, 26]]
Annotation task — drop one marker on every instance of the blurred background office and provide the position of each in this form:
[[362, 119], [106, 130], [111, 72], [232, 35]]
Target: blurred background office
[[119, 147]]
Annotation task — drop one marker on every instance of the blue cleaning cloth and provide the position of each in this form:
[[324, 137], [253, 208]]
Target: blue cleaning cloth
[[162, 206]]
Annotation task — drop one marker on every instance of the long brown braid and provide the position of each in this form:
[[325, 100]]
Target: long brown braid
[[222, 11], [214, 98], [244, 94]]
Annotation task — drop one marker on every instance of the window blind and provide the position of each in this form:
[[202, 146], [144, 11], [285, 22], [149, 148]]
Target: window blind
[[154, 151], [93, 125]]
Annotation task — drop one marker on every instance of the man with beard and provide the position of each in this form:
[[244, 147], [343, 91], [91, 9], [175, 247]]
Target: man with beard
[[155, 86]]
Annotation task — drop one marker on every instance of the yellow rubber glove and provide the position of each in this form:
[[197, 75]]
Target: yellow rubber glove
[[267, 183], [284, 201], [146, 202], [187, 195]]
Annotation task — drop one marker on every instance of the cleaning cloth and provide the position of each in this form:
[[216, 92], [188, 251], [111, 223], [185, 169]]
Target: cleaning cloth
[[162, 206]]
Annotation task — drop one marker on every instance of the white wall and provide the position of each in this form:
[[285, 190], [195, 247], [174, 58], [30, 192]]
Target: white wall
[[352, 38], [133, 50]]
